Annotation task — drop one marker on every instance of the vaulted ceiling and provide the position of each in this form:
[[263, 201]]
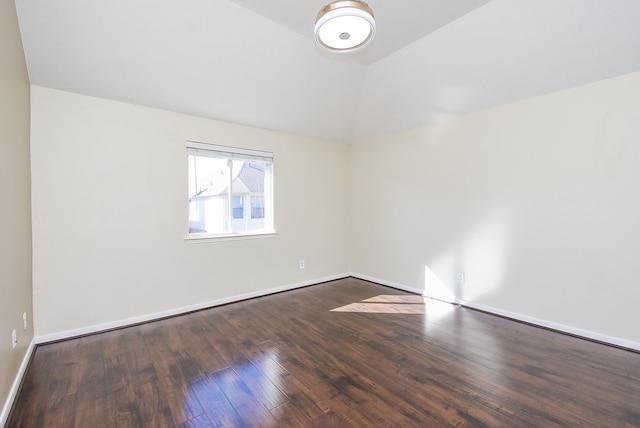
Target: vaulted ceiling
[[254, 62]]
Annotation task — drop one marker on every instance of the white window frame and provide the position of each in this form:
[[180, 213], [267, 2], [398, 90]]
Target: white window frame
[[234, 153]]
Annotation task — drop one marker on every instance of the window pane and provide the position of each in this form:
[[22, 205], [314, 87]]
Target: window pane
[[208, 195], [257, 207], [238, 207], [249, 179]]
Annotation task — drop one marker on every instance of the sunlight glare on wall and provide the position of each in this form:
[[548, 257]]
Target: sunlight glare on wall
[[435, 288]]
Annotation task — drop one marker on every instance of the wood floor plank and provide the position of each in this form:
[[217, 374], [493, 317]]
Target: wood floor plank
[[289, 360], [266, 356], [91, 395], [201, 421], [242, 399], [153, 407], [219, 410], [182, 405], [260, 385]]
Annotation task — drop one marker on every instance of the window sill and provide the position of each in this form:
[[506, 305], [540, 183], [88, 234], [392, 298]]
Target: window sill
[[203, 238]]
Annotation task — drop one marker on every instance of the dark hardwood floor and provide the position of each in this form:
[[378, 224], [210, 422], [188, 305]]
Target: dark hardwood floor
[[290, 360]]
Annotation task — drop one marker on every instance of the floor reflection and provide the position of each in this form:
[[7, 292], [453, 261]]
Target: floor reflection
[[245, 392]]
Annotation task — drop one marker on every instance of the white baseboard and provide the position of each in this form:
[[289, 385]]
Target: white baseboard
[[586, 334], [176, 311], [15, 386], [388, 283]]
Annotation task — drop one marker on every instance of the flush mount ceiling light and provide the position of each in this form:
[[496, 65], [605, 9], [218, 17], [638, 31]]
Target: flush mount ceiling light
[[344, 26]]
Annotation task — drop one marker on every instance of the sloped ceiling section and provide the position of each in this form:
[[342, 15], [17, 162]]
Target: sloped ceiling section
[[254, 62], [507, 50], [212, 58]]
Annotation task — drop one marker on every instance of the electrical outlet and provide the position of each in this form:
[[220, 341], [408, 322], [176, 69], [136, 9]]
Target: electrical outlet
[[301, 264], [460, 277], [24, 320], [14, 338]]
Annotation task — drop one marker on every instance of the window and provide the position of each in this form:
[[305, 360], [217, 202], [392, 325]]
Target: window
[[230, 191]]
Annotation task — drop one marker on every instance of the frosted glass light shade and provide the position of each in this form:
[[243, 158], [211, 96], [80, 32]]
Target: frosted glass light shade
[[345, 26]]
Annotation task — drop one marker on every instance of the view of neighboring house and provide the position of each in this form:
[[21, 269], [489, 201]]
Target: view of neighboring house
[[209, 209]]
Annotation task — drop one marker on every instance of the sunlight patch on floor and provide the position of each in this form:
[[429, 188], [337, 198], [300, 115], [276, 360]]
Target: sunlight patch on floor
[[387, 304], [395, 298], [400, 304]]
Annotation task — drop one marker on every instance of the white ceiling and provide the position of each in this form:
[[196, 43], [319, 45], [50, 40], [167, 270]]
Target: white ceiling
[[416, 18], [254, 62]]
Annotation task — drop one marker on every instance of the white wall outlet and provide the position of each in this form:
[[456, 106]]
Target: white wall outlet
[[24, 320], [460, 277], [14, 338], [301, 264]]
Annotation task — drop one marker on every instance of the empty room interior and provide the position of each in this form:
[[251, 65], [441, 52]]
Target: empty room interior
[[213, 216]]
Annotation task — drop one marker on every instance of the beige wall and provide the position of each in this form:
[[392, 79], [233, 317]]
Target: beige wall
[[537, 202], [109, 213], [15, 197]]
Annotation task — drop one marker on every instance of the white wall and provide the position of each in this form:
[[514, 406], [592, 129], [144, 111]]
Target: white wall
[[15, 198], [109, 213], [537, 202]]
